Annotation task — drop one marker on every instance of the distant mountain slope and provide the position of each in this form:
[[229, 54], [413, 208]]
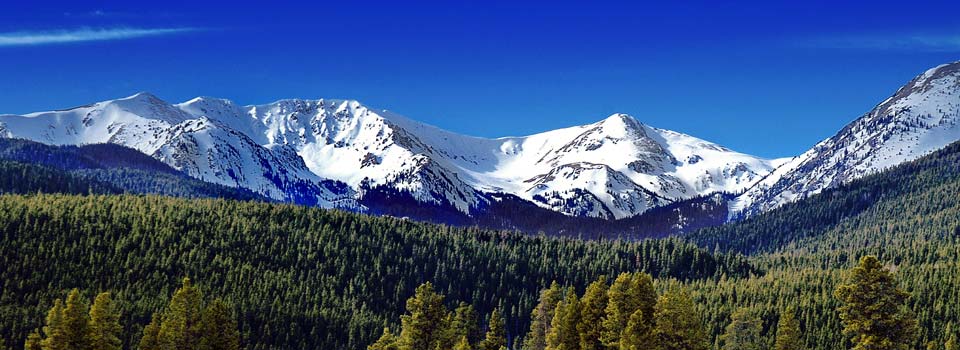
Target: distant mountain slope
[[329, 152], [923, 116], [30, 167], [922, 190]]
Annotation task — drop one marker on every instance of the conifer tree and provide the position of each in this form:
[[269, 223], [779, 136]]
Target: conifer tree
[[219, 328], [180, 325], [464, 323], [951, 343], [872, 309], [541, 317], [788, 332], [34, 341], [463, 344], [151, 334], [628, 293], [55, 330], [496, 333], [743, 332], [563, 329], [422, 326], [387, 341], [76, 321], [105, 329], [638, 335], [678, 326], [592, 307]]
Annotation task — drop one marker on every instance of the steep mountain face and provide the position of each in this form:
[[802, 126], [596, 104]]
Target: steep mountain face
[[332, 152], [921, 117]]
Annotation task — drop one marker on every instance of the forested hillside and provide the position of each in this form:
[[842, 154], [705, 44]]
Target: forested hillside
[[300, 278]]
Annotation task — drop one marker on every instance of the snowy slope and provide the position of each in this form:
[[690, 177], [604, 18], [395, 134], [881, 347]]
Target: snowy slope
[[332, 151], [921, 117]]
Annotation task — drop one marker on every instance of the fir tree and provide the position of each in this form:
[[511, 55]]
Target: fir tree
[[628, 293], [592, 307], [496, 333], [151, 334], [180, 326], [55, 331], [951, 343], [678, 326], [788, 332], [563, 329], [872, 309], [743, 332], [463, 344], [76, 321], [638, 335], [422, 326], [105, 328], [541, 317], [464, 323], [219, 328], [387, 341], [34, 341]]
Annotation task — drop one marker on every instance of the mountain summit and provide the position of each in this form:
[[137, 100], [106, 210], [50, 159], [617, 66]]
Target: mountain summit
[[331, 152]]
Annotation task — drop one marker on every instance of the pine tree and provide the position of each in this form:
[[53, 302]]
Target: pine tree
[[105, 329], [151, 334], [541, 317], [180, 325], [496, 333], [628, 293], [55, 330], [463, 344], [743, 332], [872, 309], [951, 343], [76, 321], [387, 341], [34, 341], [422, 326], [788, 332], [592, 308], [219, 328], [638, 335], [464, 323], [678, 326], [563, 329]]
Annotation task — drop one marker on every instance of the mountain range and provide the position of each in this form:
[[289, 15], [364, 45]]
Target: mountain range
[[342, 154]]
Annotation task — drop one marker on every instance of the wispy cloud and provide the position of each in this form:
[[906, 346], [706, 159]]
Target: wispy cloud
[[911, 42], [27, 38]]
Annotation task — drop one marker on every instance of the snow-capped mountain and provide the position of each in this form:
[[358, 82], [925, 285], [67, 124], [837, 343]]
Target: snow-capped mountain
[[331, 152], [921, 117]]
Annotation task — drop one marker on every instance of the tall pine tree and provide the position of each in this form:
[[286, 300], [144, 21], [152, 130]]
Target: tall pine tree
[[219, 328], [743, 332], [180, 326], [788, 332], [592, 309], [496, 333], [873, 309], [678, 326], [542, 316], [563, 329], [76, 321], [55, 330], [105, 328], [628, 293], [423, 325]]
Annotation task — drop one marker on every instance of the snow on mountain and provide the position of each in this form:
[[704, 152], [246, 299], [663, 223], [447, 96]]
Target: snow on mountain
[[921, 117], [329, 152]]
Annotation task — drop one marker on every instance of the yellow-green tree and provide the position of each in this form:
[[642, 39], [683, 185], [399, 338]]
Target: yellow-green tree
[[592, 311], [151, 334], [55, 332], [105, 328], [678, 326], [496, 333], [180, 326], [76, 321], [541, 317], [743, 332], [219, 328], [788, 332], [423, 325], [638, 335], [563, 329], [628, 293], [873, 309], [387, 341], [34, 341]]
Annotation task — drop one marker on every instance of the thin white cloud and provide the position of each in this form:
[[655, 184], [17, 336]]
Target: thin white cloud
[[27, 38], [913, 42]]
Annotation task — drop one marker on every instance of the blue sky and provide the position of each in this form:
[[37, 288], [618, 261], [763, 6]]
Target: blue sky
[[760, 77]]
